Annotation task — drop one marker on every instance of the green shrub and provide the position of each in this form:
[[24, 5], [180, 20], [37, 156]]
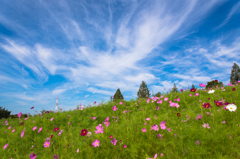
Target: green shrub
[[4, 113], [158, 95], [212, 84]]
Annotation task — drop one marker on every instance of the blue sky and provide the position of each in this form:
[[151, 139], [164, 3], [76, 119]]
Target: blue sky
[[83, 51]]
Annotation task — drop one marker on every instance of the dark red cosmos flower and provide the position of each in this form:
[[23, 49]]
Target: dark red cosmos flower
[[192, 90], [84, 132], [218, 103], [206, 105], [56, 129]]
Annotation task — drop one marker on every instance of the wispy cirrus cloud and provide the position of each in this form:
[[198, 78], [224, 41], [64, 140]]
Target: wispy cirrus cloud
[[234, 10]]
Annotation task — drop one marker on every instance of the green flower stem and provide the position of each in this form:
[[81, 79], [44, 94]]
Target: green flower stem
[[6, 153], [35, 135], [25, 147], [175, 150], [72, 145], [213, 115], [65, 144], [49, 153], [181, 140], [202, 112], [16, 154], [164, 146], [16, 140], [228, 119]]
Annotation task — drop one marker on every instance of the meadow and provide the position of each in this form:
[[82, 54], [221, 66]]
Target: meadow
[[191, 124]]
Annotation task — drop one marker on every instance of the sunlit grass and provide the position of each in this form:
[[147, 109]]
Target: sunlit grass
[[190, 124]]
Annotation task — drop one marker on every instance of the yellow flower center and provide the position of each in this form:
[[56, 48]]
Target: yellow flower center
[[99, 130]]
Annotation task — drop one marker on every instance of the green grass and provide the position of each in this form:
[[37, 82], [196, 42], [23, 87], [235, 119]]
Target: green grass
[[181, 138]]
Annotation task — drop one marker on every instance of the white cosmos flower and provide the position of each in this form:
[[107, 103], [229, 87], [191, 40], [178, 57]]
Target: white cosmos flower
[[89, 134], [211, 91], [231, 107]]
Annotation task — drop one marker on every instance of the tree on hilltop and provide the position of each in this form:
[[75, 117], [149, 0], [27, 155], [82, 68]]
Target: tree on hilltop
[[118, 95], [174, 89], [193, 86], [143, 91], [235, 74]]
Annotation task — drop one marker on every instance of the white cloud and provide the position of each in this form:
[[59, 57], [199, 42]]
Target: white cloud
[[58, 91], [25, 86], [46, 57], [24, 72], [24, 55], [4, 79]]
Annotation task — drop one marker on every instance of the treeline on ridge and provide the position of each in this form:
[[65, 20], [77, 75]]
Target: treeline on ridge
[[144, 92]]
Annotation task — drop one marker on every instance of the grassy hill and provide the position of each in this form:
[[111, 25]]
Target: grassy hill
[[190, 124]]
